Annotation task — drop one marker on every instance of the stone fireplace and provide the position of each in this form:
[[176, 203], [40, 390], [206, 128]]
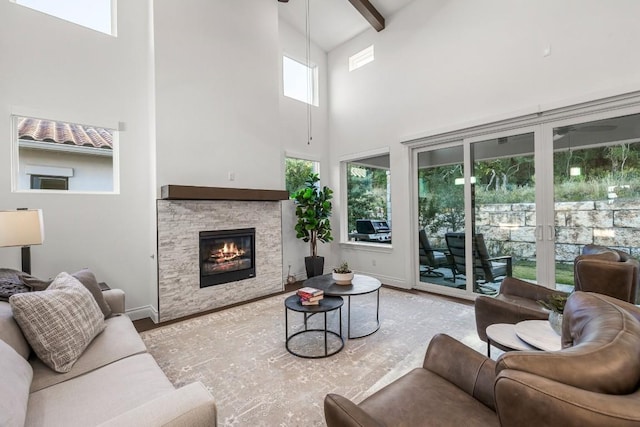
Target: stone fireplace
[[182, 256]]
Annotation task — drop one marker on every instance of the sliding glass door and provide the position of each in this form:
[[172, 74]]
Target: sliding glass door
[[504, 210], [522, 198], [441, 211], [596, 188]]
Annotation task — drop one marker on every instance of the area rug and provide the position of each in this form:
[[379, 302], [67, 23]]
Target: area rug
[[239, 354]]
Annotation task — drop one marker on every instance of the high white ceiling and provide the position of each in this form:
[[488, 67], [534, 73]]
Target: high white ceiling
[[333, 21]]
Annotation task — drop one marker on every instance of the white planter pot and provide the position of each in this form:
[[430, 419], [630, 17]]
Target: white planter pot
[[555, 319], [342, 278]]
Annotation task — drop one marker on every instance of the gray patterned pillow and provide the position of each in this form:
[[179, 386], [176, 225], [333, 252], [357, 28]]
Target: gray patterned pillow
[[60, 322]]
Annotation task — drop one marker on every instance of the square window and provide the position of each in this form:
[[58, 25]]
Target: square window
[[94, 14], [54, 155], [361, 58], [368, 199], [297, 171], [299, 81], [41, 182]]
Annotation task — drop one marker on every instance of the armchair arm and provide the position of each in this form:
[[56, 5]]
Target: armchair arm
[[490, 310], [191, 405], [461, 365], [341, 412], [526, 399], [115, 299], [513, 286]]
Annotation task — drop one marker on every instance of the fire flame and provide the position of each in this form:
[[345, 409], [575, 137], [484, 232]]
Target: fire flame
[[228, 252]]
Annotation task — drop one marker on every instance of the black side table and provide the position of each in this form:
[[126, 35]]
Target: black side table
[[327, 304]]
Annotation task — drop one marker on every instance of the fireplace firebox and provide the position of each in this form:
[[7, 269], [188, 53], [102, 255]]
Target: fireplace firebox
[[227, 256]]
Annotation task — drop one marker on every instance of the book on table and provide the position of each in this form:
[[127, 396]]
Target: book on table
[[309, 292], [304, 302]]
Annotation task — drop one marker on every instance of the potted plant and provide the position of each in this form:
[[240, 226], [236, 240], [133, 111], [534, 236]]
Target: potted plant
[[555, 304], [313, 209], [343, 274]]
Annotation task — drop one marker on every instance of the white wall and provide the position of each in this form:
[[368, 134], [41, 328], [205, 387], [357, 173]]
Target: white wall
[[90, 173], [217, 93], [57, 70], [293, 138], [195, 87], [444, 64]]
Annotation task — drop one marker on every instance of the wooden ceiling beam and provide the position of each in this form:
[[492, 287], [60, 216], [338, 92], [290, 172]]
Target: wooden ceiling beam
[[370, 13]]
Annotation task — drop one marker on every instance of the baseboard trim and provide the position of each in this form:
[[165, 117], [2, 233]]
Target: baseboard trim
[[388, 280], [142, 313]]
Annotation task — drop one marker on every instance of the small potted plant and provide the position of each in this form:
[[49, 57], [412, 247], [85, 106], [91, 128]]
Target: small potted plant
[[343, 274], [555, 304]]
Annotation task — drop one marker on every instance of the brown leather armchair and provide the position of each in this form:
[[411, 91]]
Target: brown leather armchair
[[593, 381], [516, 301], [607, 271], [599, 269]]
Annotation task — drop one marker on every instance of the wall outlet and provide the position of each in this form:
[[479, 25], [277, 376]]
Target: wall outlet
[[232, 176], [373, 262]]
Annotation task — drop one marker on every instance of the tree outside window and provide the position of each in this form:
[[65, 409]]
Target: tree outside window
[[297, 171], [368, 194]]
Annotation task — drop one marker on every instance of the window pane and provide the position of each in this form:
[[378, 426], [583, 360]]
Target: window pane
[[369, 200], [39, 182], [94, 14], [298, 80], [361, 58], [596, 182], [297, 171], [81, 156]]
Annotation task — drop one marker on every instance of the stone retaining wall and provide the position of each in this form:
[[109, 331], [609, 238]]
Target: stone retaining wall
[[510, 228]]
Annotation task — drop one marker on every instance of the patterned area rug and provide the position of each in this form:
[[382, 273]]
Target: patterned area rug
[[239, 354]]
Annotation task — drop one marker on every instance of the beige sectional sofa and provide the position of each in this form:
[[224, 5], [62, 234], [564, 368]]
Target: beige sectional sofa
[[115, 382]]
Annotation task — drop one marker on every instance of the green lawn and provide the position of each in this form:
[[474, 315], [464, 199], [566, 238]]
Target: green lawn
[[526, 270]]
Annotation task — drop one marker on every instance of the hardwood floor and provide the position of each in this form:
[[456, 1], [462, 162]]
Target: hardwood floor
[[148, 324]]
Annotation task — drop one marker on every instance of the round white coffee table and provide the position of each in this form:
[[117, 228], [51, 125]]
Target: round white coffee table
[[527, 335], [539, 334]]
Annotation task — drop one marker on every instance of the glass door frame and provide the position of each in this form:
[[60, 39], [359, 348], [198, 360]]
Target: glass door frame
[[542, 124], [540, 178]]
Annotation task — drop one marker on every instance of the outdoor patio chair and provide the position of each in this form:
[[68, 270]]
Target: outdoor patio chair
[[485, 268], [432, 259]]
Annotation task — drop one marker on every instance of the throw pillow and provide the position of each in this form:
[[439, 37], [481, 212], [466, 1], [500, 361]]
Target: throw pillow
[[14, 387], [85, 276], [88, 279], [59, 323]]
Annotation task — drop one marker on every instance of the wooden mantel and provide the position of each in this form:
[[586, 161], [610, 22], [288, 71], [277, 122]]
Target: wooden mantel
[[189, 192]]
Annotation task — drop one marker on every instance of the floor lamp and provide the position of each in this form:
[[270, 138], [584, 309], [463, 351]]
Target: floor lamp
[[23, 227]]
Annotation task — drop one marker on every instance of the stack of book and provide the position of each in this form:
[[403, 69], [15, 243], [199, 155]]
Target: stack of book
[[310, 296]]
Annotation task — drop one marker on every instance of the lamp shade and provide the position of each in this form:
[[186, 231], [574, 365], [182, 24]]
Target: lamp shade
[[21, 228]]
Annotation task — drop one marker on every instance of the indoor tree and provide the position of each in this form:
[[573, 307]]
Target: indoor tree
[[313, 209]]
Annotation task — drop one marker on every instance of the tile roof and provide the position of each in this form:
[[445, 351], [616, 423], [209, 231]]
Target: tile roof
[[64, 133]]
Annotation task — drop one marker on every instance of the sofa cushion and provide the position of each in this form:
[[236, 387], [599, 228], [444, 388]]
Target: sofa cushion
[[421, 397], [14, 387], [118, 340], [99, 395], [59, 322], [10, 332]]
